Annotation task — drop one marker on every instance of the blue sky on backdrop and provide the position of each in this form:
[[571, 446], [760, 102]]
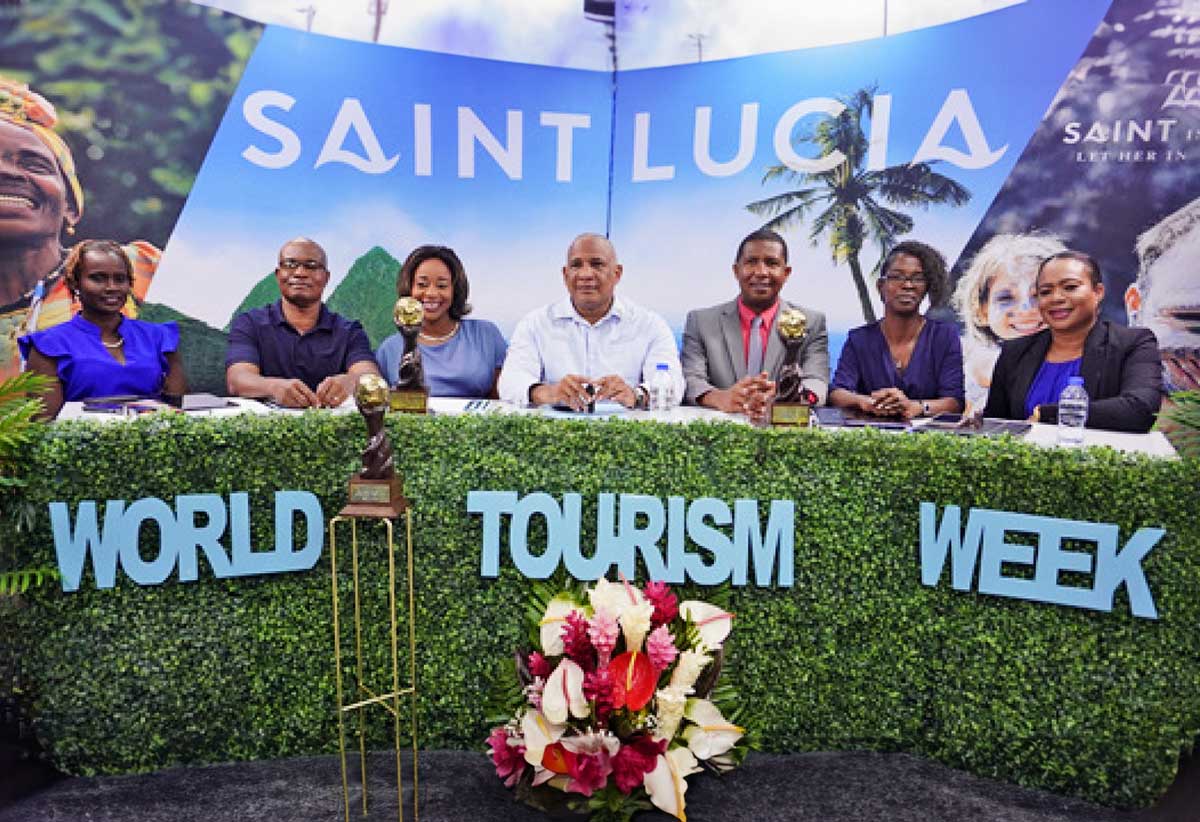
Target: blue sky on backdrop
[[512, 233]]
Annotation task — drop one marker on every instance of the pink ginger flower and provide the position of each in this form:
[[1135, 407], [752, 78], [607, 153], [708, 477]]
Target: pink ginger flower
[[589, 772], [636, 758], [660, 648], [603, 632], [598, 688], [508, 759], [576, 645], [539, 666], [666, 606]]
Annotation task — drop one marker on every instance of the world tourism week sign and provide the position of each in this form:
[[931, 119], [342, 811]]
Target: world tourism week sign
[[703, 541]]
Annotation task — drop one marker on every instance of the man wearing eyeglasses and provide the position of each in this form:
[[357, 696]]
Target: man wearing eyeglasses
[[731, 352], [296, 352]]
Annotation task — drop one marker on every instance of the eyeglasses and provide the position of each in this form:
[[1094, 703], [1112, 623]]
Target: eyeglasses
[[307, 265], [907, 279]]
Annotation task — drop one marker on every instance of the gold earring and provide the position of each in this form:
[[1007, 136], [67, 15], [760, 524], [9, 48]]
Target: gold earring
[[70, 229]]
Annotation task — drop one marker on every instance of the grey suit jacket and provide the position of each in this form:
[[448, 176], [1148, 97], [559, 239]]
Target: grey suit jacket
[[713, 355]]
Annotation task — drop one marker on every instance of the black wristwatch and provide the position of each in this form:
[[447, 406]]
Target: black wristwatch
[[926, 411]]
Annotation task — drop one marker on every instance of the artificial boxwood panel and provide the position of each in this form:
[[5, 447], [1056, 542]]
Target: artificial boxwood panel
[[857, 654]]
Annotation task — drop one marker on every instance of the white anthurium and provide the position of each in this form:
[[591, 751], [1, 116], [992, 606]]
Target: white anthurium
[[552, 624], [563, 693], [539, 732], [667, 783], [712, 622], [710, 735], [614, 597]]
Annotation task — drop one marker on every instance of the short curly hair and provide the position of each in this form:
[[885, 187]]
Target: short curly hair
[[932, 263]]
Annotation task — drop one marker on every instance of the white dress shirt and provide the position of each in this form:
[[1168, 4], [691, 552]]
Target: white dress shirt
[[554, 341]]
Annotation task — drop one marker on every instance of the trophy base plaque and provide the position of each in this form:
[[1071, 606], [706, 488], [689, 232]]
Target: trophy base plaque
[[790, 414], [374, 498], [409, 400]]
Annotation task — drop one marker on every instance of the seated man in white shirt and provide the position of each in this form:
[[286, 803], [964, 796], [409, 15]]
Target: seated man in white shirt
[[591, 345]]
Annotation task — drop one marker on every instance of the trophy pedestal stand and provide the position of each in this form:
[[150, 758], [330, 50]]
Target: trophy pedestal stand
[[361, 696]]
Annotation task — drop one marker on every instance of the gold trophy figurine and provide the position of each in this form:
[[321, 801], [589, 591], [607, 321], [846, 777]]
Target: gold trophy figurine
[[375, 491], [793, 403], [409, 393]]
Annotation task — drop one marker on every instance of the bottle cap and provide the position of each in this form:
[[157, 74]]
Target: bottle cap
[[1075, 381]]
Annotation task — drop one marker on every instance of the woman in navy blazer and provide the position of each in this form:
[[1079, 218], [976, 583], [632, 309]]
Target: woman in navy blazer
[[1120, 366]]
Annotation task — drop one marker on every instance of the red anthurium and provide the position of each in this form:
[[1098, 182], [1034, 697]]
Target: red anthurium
[[633, 680], [558, 759]]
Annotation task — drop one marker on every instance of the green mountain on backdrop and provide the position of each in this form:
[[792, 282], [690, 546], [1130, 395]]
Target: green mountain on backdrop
[[367, 294], [201, 347]]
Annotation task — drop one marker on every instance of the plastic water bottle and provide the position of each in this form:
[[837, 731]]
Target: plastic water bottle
[[662, 389], [1072, 412]]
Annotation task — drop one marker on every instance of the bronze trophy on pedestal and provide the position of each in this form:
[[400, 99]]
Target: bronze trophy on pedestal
[[793, 404], [375, 491], [409, 394]]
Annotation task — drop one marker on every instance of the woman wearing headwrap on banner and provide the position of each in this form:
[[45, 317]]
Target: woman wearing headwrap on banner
[[41, 201]]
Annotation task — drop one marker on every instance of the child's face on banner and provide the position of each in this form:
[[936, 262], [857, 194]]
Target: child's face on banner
[[1012, 310]]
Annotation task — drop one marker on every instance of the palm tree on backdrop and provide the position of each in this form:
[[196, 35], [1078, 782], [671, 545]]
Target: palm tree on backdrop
[[852, 198]]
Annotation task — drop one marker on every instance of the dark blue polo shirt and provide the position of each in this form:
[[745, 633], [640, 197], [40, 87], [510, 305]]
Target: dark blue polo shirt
[[263, 337]]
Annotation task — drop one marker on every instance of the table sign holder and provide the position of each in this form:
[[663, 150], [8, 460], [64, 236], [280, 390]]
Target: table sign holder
[[792, 407], [375, 496], [409, 395]]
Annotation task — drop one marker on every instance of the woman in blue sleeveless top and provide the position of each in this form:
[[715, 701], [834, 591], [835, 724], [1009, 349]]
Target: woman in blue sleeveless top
[[100, 352]]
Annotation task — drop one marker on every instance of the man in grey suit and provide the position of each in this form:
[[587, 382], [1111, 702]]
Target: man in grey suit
[[731, 352]]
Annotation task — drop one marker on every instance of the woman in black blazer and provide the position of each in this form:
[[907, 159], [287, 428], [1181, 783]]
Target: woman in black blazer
[[1120, 366]]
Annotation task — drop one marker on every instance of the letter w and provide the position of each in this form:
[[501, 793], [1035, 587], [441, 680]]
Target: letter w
[[72, 546], [937, 542]]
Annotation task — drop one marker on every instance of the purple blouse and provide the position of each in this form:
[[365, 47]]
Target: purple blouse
[[1049, 383], [935, 369]]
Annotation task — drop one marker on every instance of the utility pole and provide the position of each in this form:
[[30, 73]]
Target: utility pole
[[885, 17], [309, 12], [377, 8], [698, 39]]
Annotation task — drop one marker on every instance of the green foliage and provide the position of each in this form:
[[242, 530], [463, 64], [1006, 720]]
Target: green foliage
[[139, 86], [857, 654], [368, 294], [1182, 414]]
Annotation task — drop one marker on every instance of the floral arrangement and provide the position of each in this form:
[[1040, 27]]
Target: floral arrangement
[[618, 705]]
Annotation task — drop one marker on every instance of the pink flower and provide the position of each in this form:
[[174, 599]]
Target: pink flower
[[666, 606], [508, 759], [660, 648], [533, 692], [603, 632], [589, 772], [576, 645], [636, 758], [598, 688], [539, 666]]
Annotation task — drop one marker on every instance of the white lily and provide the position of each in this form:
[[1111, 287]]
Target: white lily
[[564, 693], [667, 783], [711, 735], [712, 622], [552, 624], [539, 732]]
